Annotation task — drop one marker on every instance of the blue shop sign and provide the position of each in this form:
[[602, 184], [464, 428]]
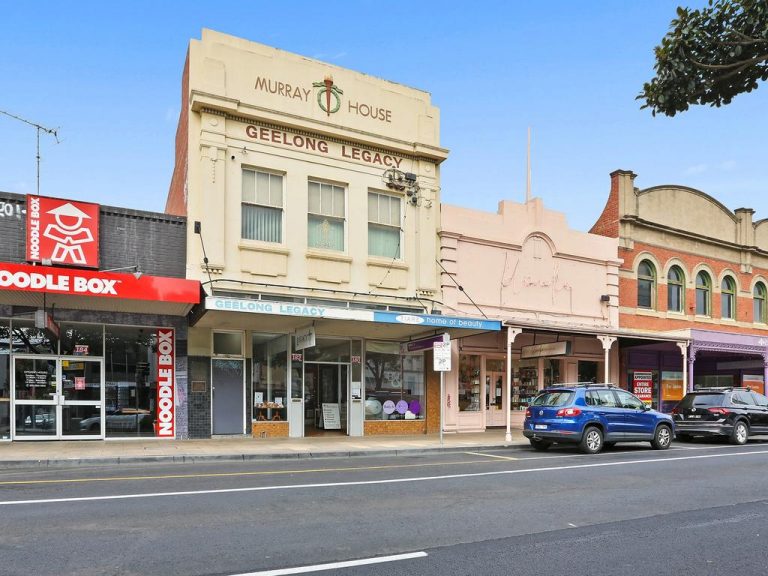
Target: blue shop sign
[[436, 321]]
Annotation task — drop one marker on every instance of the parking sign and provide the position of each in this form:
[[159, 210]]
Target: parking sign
[[442, 356]]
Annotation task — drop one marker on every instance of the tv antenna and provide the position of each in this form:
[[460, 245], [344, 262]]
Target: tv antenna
[[52, 131]]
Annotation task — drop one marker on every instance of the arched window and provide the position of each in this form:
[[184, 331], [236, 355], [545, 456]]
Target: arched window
[[646, 285], [675, 289], [728, 298], [703, 294], [758, 304]]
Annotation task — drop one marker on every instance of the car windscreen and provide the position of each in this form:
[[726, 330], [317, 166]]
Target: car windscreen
[[702, 400], [553, 398]]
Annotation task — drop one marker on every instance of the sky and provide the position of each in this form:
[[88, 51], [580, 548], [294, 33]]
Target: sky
[[107, 75]]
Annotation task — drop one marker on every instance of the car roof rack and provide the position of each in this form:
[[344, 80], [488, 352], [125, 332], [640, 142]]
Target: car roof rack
[[581, 385], [722, 388]]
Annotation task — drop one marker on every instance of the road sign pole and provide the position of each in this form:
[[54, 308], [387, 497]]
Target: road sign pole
[[442, 404]]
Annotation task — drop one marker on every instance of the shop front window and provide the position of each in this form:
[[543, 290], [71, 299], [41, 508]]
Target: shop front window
[[469, 383], [270, 377], [525, 384], [588, 371], [130, 388], [82, 339], [394, 383], [552, 371], [26, 339]]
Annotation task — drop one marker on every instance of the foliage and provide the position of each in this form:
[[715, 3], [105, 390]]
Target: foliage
[[709, 56]]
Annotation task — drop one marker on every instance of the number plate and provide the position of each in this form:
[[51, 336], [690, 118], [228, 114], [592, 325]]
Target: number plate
[[692, 416], [540, 426]]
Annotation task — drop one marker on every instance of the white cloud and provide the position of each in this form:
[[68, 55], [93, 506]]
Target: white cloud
[[696, 169]]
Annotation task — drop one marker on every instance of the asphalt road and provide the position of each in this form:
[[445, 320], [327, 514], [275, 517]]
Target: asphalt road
[[694, 509]]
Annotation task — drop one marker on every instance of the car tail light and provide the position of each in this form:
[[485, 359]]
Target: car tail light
[[675, 410], [722, 411], [527, 412], [568, 412]]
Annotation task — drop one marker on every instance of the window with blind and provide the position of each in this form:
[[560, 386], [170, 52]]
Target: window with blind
[[327, 216], [383, 225], [262, 206]]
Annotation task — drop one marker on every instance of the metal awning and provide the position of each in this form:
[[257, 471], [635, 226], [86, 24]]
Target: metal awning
[[272, 316], [67, 288]]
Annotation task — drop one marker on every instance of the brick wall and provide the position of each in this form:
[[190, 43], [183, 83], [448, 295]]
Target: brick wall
[[156, 242], [663, 254], [177, 201], [608, 222], [394, 427]]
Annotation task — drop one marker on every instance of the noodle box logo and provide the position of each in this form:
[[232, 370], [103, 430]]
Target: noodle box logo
[[62, 232]]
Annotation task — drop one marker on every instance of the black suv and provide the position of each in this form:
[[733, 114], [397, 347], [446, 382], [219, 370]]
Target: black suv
[[731, 412]]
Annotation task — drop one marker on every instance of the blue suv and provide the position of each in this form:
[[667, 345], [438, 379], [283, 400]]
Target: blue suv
[[594, 416]]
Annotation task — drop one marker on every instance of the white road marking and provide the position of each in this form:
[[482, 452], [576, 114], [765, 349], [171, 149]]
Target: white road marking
[[336, 565], [379, 482], [490, 455]]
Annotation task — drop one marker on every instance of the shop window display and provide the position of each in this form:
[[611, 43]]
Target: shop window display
[[394, 383], [525, 384], [82, 340], [130, 388], [270, 377], [469, 383]]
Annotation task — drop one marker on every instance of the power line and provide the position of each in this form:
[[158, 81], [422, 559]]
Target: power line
[[461, 288]]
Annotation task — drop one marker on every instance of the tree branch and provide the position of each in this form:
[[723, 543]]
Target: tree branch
[[739, 64]]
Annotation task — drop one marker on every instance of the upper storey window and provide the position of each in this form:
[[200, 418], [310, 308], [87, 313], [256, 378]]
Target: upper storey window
[[262, 206], [327, 216], [384, 225], [675, 289], [646, 285], [758, 303], [703, 294], [728, 298]]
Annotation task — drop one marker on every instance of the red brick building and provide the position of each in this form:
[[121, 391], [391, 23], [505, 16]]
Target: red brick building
[[693, 268]]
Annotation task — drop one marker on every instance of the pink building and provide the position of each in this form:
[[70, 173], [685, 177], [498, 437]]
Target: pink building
[[555, 290]]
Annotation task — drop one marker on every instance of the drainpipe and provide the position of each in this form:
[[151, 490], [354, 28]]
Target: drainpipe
[[511, 335]]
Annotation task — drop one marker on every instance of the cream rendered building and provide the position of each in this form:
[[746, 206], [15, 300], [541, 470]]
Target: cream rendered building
[[314, 196]]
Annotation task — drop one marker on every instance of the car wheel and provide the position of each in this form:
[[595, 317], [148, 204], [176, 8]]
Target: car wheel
[[662, 438], [684, 437], [740, 433], [592, 440], [540, 445]]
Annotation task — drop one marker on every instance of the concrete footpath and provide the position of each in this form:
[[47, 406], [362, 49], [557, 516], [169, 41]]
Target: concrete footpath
[[110, 452]]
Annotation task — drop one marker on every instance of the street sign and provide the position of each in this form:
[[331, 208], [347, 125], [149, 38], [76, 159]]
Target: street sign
[[442, 356]]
